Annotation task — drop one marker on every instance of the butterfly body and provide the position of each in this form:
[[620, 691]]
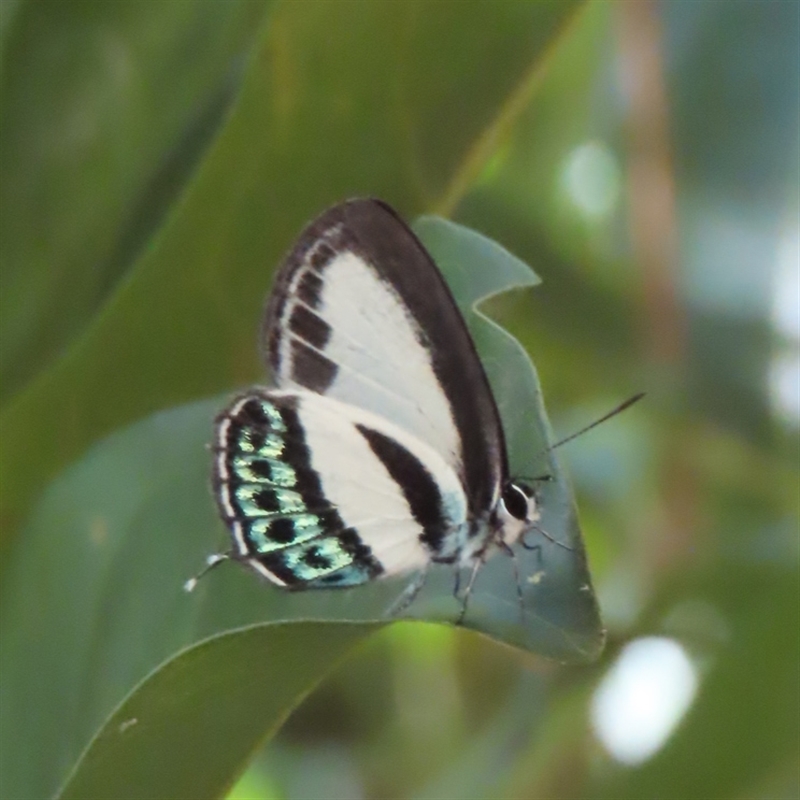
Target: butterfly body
[[379, 449]]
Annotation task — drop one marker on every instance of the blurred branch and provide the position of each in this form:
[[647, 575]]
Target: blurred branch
[[653, 234], [650, 180], [499, 129]]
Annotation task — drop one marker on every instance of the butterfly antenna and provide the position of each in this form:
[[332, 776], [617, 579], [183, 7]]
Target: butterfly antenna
[[613, 413], [211, 562], [547, 536]]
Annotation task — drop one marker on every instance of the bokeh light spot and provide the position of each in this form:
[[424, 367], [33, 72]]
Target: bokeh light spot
[[643, 697], [591, 176]]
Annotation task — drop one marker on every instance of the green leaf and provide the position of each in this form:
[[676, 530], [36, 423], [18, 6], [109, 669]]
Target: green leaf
[[561, 615], [340, 99], [189, 729], [95, 146]]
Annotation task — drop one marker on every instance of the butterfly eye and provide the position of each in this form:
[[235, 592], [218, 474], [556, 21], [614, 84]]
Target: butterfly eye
[[516, 501]]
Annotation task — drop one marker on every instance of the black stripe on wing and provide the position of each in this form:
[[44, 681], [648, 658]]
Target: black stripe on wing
[[418, 485]]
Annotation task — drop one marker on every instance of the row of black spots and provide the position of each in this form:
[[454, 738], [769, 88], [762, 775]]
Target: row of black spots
[[247, 439], [265, 505], [418, 485]]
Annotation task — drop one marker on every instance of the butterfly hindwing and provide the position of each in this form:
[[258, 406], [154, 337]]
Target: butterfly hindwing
[[360, 313], [320, 493]]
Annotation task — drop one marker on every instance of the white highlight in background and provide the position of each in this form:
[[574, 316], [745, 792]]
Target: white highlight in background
[[591, 177], [643, 697], [784, 371], [784, 387], [786, 292]]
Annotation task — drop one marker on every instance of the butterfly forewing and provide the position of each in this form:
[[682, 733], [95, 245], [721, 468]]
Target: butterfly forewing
[[360, 313]]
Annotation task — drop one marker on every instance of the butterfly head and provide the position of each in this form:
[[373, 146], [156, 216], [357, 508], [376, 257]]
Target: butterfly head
[[517, 511]]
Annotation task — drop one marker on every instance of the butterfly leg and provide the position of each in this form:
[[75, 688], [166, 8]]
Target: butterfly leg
[[409, 593], [515, 566], [457, 582], [533, 547], [468, 591]]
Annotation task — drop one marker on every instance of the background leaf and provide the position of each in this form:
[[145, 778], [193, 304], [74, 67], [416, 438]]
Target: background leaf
[[189, 729], [95, 147]]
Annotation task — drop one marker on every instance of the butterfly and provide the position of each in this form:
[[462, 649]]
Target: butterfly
[[378, 450]]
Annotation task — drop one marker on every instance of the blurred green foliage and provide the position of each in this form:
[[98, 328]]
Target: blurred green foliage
[[155, 162]]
